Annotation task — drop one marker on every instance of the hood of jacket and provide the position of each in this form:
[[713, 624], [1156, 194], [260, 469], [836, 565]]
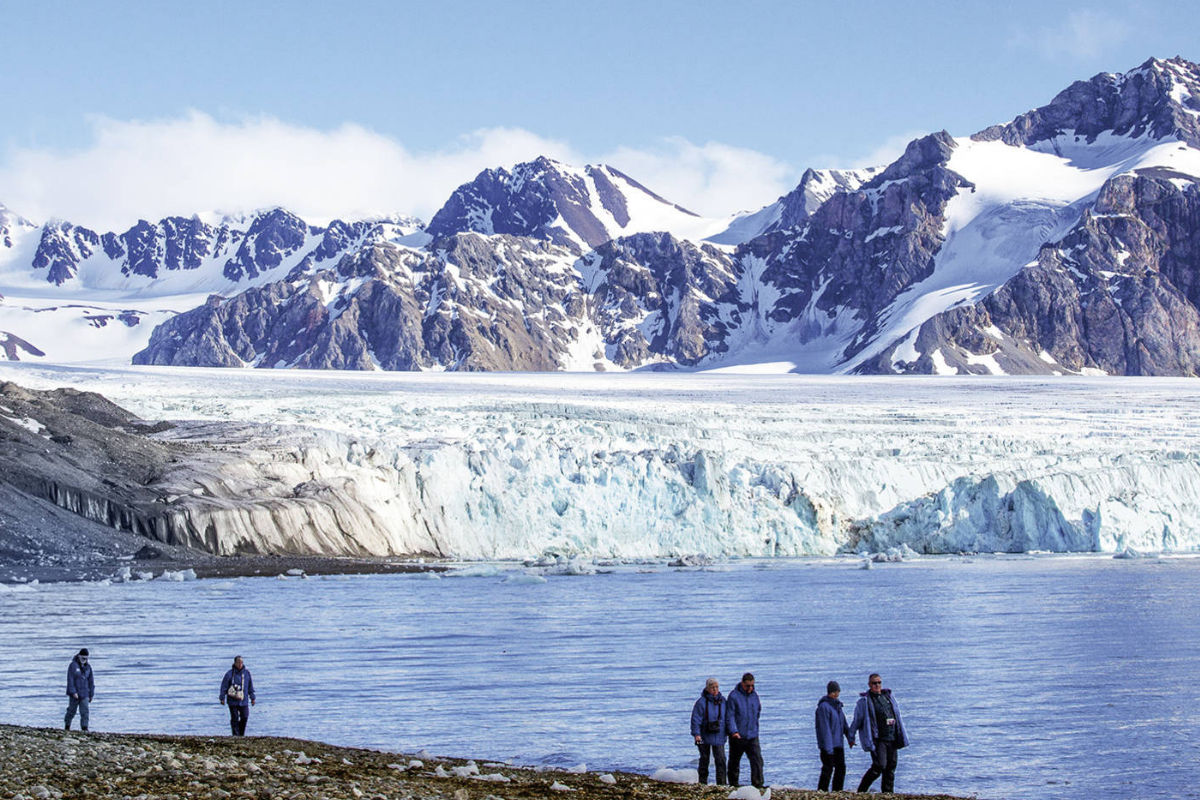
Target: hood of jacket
[[829, 701], [720, 698]]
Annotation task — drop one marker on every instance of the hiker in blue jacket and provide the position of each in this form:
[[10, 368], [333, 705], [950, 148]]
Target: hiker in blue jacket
[[742, 712], [237, 690], [832, 729], [708, 729], [878, 718], [81, 688]]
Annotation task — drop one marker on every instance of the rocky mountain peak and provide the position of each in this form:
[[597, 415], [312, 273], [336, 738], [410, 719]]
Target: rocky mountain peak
[[1159, 99], [546, 199]]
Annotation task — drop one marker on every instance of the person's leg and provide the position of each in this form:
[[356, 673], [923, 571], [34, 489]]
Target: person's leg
[[876, 767], [889, 769], [736, 748], [72, 704], [754, 754], [839, 768], [719, 757], [83, 712], [245, 719], [233, 719], [826, 771], [702, 769]]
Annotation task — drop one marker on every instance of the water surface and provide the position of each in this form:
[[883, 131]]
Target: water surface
[[1019, 676]]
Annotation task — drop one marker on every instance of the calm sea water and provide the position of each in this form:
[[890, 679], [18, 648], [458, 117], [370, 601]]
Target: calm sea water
[[1019, 677]]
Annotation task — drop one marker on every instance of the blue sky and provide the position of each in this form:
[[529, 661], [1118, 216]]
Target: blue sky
[[718, 105]]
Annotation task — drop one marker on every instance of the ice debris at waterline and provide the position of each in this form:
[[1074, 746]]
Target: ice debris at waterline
[[663, 466]]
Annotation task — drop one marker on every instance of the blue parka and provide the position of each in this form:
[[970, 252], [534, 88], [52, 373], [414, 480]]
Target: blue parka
[[79, 680], [743, 711], [240, 677], [709, 709], [864, 720], [831, 725]]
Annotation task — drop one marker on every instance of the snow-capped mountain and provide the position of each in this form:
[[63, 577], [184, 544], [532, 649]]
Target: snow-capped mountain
[[72, 294], [1056, 243], [1062, 241], [815, 187], [569, 206]]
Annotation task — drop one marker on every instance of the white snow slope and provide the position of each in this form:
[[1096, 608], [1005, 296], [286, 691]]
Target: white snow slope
[[646, 465]]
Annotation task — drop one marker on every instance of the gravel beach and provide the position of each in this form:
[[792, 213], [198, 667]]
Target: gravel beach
[[45, 764]]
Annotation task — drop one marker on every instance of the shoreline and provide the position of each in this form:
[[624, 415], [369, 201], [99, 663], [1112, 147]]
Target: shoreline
[[46, 763]]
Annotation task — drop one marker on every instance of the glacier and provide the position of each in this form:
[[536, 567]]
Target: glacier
[[648, 465]]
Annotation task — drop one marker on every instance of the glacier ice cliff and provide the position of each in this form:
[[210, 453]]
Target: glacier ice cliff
[[516, 466]]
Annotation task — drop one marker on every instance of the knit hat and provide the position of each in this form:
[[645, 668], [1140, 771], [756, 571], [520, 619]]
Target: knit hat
[[83, 652], [832, 687]]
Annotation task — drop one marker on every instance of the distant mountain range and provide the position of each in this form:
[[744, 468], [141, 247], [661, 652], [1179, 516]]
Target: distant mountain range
[[1064, 241]]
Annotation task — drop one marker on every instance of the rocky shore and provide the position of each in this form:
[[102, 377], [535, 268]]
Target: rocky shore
[[46, 764]]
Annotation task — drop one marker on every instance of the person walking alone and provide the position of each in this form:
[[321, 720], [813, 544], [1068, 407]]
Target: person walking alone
[[708, 729], [81, 688], [877, 716], [743, 709], [832, 728], [237, 690]]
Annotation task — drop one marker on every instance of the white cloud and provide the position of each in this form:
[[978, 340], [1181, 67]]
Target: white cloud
[[712, 179], [1082, 34], [150, 169]]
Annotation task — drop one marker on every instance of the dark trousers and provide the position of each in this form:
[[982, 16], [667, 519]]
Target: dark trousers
[[833, 765], [237, 718], [81, 703], [883, 762], [718, 755], [753, 754]]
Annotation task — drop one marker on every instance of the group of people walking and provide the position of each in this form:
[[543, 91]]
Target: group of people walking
[[237, 692], [716, 718], [877, 725]]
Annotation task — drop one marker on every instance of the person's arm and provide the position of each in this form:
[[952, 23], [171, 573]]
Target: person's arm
[[697, 717], [91, 685], [817, 723], [224, 687], [846, 728], [859, 725], [731, 718], [71, 681], [250, 687]]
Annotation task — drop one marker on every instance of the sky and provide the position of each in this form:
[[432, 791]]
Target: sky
[[116, 111]]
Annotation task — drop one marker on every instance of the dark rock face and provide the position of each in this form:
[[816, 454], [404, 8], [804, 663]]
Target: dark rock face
[[271, 238], [860, 248], [470, 302], [657, 297], [62, 247], [1120, 293], [1160, 98], [815, 187], [12, 346]]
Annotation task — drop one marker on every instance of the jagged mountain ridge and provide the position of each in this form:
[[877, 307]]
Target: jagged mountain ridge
[[943, 261]]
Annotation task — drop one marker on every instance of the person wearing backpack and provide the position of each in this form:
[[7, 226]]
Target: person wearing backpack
[[81, 687], [708, 729], [237, 691]]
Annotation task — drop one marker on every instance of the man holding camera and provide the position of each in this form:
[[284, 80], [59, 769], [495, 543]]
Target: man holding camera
[[708, 729], [742, 722], [878, 718]]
